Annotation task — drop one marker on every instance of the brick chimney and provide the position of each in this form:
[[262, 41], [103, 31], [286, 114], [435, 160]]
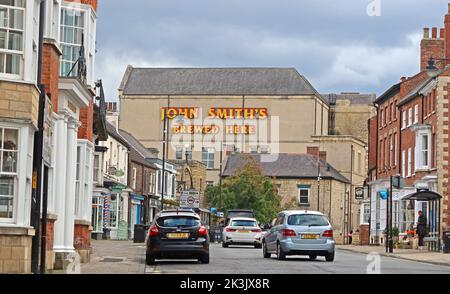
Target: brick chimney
[[314, 151], [111, 106], [432, 45], [447, 34], [323, 155]]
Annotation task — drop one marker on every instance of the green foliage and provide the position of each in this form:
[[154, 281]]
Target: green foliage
[[248, 189]]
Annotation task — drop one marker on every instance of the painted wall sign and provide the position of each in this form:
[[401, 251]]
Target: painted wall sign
[[214, 113]]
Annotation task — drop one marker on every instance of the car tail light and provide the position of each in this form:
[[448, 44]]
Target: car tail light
[[230, 230], [154, 231], [257, 231], [328, 234], [289, 233], [203, 232]]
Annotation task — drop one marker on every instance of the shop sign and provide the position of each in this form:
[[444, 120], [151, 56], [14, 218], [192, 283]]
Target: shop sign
[[359, 193]]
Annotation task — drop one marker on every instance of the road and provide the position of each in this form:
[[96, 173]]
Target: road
[[123, 257], [247, 260]]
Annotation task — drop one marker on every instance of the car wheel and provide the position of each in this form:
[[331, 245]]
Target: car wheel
[[265, 253], [281, 255], [330, 257], [204, 259], [313, 257], [150, 259], [224, 245], [259, 246]]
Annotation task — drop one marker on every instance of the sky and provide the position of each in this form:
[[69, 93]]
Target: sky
[[338, 45]]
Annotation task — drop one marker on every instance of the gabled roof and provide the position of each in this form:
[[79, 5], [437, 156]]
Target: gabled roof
[[389, 93], [138, 152], [416, 91], [113, 133], [286, 166], [215, 81]]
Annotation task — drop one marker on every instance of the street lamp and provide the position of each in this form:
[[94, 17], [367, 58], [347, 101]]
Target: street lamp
[[188, 168], [431, 69]]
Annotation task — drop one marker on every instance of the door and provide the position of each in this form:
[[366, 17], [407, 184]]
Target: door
[[271, 241]]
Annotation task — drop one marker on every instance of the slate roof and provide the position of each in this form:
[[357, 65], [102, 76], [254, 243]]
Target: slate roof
[[113, 133], [413, 93], [286, 166], [355, 98], [389, 93], [215, 81], [138, 152]]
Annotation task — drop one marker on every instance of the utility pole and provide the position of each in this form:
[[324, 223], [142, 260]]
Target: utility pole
[[163, 177], [35, 217], [220, 175]]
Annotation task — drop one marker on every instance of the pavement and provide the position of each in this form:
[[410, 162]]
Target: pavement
[[436, 258], [125, 257]]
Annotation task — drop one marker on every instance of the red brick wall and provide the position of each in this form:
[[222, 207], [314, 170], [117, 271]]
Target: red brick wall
[[86, 130], [50, 72], [82, 237], [50, 234], [372, 142], [431, 46]]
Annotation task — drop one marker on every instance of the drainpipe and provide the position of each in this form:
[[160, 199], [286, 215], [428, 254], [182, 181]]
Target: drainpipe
[[37, 155]]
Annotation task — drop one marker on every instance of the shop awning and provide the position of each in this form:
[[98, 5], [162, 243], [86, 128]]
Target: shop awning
[[423, 196]]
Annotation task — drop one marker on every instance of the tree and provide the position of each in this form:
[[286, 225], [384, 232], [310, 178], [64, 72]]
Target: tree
[[247, 189]]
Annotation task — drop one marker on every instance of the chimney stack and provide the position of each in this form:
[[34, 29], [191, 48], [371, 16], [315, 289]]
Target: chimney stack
[[323, 155], [434, 33], [314, 151]]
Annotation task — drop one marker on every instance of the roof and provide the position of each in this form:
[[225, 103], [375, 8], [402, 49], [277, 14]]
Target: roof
[[286, 166], [355, 98], [113, 133], [135, 144], [416, 91], [423, 196], [389, 93], [216, 81]]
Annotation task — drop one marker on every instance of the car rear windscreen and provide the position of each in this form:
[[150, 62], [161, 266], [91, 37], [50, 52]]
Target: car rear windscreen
[[307, 220], [243, 223], [178, 221], [232, 214]]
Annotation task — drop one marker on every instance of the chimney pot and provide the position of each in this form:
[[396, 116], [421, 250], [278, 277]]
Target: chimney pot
[[442, 33], [426, 33], [448, 7], [434, 33]]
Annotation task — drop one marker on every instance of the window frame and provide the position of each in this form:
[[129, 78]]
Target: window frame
[[301, 188], [208, 157]]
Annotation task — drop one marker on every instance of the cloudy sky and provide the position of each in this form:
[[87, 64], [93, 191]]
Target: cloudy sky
[[335, 44]]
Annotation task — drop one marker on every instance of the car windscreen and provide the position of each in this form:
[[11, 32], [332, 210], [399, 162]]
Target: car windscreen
[[243, 223], [307, 220], [178, 221]]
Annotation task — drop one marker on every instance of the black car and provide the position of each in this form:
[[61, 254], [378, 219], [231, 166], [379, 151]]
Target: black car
[[238, 213], [177, 234]]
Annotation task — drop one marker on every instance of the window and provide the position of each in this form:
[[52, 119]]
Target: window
[[159, 182], [77, 182], [134, 178], [209, 183], [403, 163], [395, 149], [303, 194], [423, 150], [391, 151], [208, 157], [382, 118], [113, 210], [179, 153], [72, 33], [308, 220], [97, 214], [403, 119], [386, 115], [409, 163], [394, 110], [189, 152], [97, 168], [8, 171], [12, 22], [416, 114], [410, 116]]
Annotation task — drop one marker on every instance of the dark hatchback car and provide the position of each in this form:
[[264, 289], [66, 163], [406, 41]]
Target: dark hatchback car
[[177, 234]]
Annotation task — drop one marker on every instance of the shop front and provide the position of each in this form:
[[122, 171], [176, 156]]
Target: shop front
[[137, 210], [115, 213]]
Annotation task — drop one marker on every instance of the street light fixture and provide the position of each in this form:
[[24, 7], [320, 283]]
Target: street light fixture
[[431, 69]]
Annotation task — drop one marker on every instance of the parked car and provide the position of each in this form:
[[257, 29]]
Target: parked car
[[242, 231], [232, 213], [300, 233], [177, 234]]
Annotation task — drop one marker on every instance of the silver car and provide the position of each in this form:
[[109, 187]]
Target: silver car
[[300, 233]]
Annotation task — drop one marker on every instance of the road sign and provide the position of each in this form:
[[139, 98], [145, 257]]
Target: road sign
[[383, 194], [220, 214], [190, 199]]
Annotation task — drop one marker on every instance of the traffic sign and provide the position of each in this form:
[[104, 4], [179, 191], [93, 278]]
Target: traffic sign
[[190, 199]]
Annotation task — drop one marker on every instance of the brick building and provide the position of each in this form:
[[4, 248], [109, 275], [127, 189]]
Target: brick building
[[410, 138]]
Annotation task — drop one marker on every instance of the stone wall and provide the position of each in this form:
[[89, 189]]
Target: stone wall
[[15, 250], [19, 100]]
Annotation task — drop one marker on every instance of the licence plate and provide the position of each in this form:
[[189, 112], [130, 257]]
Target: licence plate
[[310, 236], [178, 235], [243, 231]]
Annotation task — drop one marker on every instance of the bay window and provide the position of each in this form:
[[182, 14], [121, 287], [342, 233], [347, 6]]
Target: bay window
[[72, 32], [8, 171], [12, 22]]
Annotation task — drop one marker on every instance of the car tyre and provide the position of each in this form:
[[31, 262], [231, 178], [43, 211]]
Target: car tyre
[[313, 257], [281, 255], [224, 245], [204, 259], [150, 259], [265, 253], [330, 257]]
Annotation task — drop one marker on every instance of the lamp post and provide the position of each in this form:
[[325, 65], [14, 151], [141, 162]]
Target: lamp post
[[188, 168]]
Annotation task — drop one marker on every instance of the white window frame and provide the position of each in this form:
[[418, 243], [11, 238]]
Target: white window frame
[[300, 189], [404, 119], [73, 45], [421, 149], [409, 163], [416, 114], [403, 163], [208, 157], [14, 175], [134, 178], [97, 168], [410, 116]]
